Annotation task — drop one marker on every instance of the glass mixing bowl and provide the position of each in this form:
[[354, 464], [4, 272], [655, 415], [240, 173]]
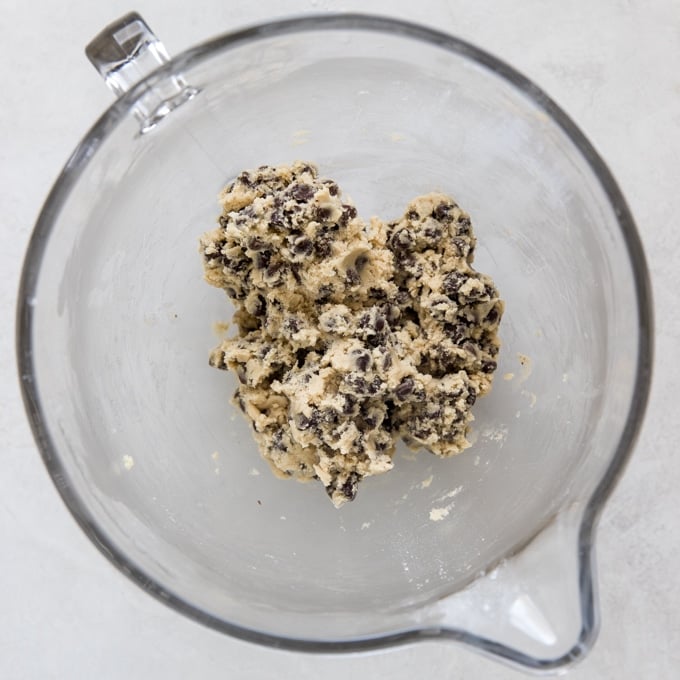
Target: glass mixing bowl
[[494, 547]]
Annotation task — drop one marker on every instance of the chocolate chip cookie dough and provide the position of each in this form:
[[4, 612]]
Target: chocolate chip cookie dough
[[351, 334]]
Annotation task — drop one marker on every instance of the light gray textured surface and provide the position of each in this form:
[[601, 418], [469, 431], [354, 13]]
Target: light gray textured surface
[[613, 65]]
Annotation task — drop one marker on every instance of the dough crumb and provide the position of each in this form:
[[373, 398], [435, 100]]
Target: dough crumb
[[426, 482], [351, 334], [438, 514], [128, 462]]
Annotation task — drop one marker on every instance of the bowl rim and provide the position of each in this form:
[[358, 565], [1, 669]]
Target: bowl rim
[[379, 24]]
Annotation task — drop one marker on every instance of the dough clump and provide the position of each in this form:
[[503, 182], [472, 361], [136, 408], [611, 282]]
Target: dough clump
[[351, 334]]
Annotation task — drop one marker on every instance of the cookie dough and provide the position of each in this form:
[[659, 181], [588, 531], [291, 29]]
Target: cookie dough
[[351, 334]]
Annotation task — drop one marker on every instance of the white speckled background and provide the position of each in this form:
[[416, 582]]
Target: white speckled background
[[614, 65]]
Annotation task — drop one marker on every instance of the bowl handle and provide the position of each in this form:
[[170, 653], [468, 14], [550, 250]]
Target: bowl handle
[[126, 52], [535, 609]]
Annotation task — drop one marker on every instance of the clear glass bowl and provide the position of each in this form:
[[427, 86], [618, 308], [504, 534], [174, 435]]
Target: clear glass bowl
[[115, 326]]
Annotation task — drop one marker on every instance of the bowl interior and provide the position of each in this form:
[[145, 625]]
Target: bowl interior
[[143, 428]]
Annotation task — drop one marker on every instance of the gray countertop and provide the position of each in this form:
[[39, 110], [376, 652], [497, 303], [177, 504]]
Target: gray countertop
[[613, 65]]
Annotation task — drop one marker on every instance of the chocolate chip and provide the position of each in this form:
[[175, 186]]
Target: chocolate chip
[[332, 188], [489, 366], [301, 192], [387, 362], [471, 397], [404, 388], [412, 215]]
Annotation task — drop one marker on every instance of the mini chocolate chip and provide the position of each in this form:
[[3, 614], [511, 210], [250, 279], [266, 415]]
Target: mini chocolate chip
[[322, 214], [244, 178], [260, 306], [262, 259], [379, 324], [325, 291], [470, 347], [322, 248], [489, 366], [462, 246], [492, 316], [302, 422], [377, 293], [295, 271], [375, 385], [301, 192], [255, 243], [273, 269], [402, 239], [241, 373], [441, 212], [361, 262], [471, 397], [352, 276], [387, 362], [363, 361], [333, 189], [231, 292], [301, 356], [349, 488], [276, 221], [432, 234], [277, 440], [348, 212], [412, 215], [350, 403], [292, 325], [464, 225], [404, 388], [216, 360], [452, 283]]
